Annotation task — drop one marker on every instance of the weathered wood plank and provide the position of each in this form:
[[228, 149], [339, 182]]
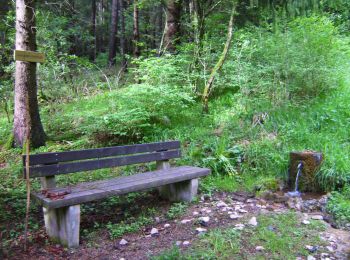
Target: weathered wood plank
[[149, 180], [55, 169], [84, 186], [49, 158], [29, 56]]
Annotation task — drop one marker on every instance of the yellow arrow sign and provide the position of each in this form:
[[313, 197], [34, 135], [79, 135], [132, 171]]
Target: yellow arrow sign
[[30, 56]]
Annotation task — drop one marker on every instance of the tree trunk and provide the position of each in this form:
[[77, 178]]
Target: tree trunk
[[219, 64], [113, 33], [93, 31], [173, 24], [26, 111], [136, 32], [122, 35]]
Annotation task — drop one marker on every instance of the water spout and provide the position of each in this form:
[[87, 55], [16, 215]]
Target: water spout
[[296, 193]]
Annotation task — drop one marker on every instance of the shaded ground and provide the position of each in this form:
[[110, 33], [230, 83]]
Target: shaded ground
[[222, 210]]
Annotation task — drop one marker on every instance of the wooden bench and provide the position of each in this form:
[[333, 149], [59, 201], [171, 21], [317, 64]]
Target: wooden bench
[[61, 205]]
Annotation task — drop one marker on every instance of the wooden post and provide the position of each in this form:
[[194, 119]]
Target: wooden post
[[180, 191], [62, 224]]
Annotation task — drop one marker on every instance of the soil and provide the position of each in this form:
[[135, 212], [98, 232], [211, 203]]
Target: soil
[[141, 245]]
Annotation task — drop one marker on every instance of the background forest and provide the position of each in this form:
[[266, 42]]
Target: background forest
[[121, 72]]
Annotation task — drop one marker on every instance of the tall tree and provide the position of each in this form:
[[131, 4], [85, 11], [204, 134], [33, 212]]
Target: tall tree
[[173, 24], [136, 31], [122, 34], [26, 103], [113, 33], [93, 30]]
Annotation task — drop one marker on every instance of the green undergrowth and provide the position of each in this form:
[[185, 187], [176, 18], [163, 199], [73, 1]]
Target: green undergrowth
[[339, 206], [281, 235]]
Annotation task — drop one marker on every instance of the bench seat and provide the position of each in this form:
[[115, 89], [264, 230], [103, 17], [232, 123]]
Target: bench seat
[[90, 191]]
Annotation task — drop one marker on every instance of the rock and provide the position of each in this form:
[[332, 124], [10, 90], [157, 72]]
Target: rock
[[154, 232], [242, 211], [295, 203], [330, 249], [195, 213], [235, 216], [204, 219], [259, 248], [185, 221], [178, 243], [166, 225], [186, 243], [221, 204], [239, 226], [311, 249], [305, 222], [201, 230], [253, 222], [317, 217], [122, 258], [123, 242], [157, 219], [310, 257]]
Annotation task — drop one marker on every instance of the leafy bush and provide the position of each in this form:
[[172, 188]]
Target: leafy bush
[[339, 206], [303, 60]]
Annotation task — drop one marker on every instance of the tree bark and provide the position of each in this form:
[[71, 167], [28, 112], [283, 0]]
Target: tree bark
[[26, 110], [173, 24], [219, 64], [136, 32], [113, 33], [93, 31], [122, 35]]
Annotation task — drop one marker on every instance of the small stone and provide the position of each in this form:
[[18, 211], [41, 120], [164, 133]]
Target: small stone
[[239, 226], [253, 222], [208, 211], [235, 216], [195, 213], [201, 230], [310, 257], [306, 222], [186, 243], [157, 219], [154, 232], [123, 242], [185, 221], [317, 217], [122, 258], [204, 219], [242, 211], [166, 225], [259, 248], [221, 204], [250, 200], [311, 249], [178, 243], [330, 249]]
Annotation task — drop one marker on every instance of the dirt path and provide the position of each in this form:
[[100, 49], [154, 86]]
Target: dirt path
[[220, 211]]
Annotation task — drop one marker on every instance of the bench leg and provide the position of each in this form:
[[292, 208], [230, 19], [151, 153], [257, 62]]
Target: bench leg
[[181, 191], [62, 225]]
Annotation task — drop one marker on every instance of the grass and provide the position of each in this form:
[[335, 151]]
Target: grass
[[282, 236]]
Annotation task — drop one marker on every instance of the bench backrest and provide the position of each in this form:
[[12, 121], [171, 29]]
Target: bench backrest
[[50, 164]]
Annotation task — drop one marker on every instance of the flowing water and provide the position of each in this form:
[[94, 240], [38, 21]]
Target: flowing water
[[296, 193]]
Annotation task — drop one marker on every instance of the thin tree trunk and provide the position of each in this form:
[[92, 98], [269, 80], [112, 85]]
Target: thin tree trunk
[[25, 80], [122, 35], [93, 31], [219, 64], [173, 24], [136, 32], [113, 33]]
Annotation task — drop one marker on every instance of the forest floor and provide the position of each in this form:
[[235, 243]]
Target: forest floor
[[226, 225]]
